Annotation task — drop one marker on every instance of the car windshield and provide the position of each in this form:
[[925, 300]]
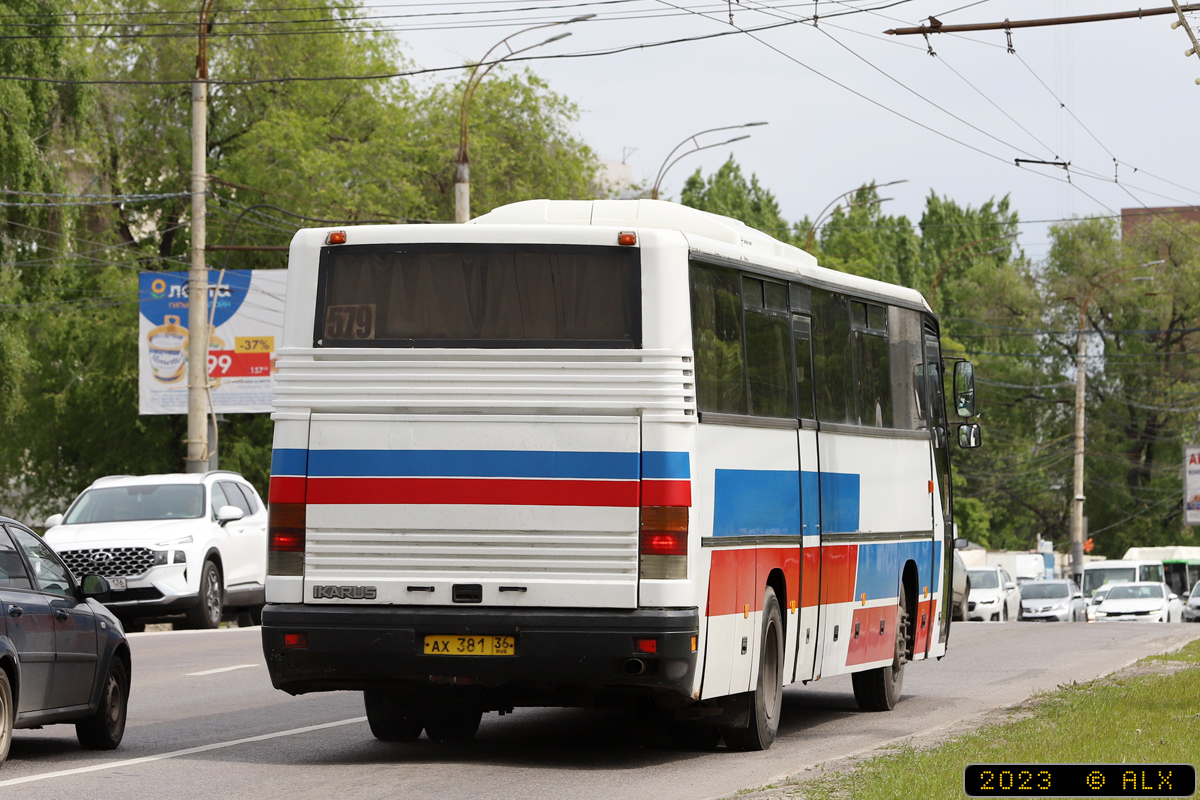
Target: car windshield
[[983, 579], [1093, 579], [125, 503], [1043, 591], [1135, 593]]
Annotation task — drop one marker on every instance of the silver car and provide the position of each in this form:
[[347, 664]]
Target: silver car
[[1052, 601], [1191, 611]]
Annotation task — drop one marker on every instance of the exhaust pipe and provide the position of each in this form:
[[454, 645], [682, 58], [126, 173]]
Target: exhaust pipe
[[634, 666]]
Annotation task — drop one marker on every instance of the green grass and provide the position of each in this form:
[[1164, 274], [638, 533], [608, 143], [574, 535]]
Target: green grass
[[1128, 717]]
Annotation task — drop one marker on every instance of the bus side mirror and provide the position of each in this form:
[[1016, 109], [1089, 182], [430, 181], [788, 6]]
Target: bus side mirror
[[970, 435], [964, 389]]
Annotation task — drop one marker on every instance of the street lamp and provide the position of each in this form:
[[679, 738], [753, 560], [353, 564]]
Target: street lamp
[[462, 159], [1080, 410], [812, 229], [668, 162], [951, 260]]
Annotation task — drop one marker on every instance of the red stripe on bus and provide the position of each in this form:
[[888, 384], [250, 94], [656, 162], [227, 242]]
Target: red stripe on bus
[[472, 491], [286, 490], [839, 563], [737, 578], [810, 586], [666, 493], [867, 642], [924, 627]]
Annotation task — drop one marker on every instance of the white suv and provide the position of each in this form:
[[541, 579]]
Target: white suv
[[193, 544]]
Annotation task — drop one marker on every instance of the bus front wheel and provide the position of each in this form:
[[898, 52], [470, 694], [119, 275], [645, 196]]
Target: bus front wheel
[[878, 689], [766, 700]]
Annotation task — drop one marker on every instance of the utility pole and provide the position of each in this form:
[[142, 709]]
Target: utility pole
[[197, 458]]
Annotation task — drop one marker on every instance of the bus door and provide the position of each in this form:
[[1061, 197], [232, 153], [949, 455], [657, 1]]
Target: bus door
[[807, 631], [943, 536]]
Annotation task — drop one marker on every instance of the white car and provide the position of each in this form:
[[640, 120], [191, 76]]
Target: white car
[[994, 595], [1191, 611], [1144, 601], [191, 544]]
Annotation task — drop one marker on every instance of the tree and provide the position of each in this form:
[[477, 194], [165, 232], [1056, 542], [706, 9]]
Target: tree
[[727, 192], [280, 152]]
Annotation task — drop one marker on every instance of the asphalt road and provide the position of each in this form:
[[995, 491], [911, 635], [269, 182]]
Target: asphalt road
[[204, 722]]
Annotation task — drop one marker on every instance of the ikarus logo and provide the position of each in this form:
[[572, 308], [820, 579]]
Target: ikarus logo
[[158, 288]]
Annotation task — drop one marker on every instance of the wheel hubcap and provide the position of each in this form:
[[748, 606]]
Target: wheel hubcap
[[212, 596], [114, 704]]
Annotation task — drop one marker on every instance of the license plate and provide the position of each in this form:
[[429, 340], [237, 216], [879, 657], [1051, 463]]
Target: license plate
[[440, 645], [117, 584]]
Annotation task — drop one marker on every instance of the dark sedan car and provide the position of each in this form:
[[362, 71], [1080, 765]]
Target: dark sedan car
[[63, 655]]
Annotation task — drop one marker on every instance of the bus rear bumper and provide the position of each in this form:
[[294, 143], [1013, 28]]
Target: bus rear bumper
[[562, 657]]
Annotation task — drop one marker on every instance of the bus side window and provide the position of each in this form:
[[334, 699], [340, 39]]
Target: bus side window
[[832, 365], [906, 358], [802, 336], [872, 378], [717, 339], [768, 351]]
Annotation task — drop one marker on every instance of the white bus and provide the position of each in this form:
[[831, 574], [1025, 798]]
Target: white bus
[[602, 452]]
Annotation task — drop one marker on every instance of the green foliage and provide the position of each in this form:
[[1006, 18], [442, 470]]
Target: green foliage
[[863, 241], [727, 192], [278, 152]]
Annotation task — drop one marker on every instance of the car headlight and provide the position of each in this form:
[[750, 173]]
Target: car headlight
[[988, 601], [1059, 607], [182, 540]]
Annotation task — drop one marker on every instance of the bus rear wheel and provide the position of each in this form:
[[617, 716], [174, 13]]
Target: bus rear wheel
[[390, 719], [766, 700], [878, 689], [448, 725]]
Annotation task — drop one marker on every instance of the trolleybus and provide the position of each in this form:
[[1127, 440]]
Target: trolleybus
[[599, 453]]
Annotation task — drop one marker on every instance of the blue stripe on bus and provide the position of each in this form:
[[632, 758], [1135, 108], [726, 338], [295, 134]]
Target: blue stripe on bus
[[666, 465], [839, 501], [473, 464], [289, 461], [880, 565], [756, 502]]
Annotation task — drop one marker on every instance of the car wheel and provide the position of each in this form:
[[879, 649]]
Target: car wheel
[[105, 729], [767, 698], [879, 689], [7, 715], [390, 719], [1004, 613], [207, 613]]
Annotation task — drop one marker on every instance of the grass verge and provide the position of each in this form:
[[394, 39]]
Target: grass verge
[[1149, 712]]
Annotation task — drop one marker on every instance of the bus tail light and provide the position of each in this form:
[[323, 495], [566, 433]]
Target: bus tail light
[[286, 523], [662, 543]]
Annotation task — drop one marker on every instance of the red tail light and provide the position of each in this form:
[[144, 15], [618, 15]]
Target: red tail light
[[286, 523], [663, 542], [295, 640], [659, 543]]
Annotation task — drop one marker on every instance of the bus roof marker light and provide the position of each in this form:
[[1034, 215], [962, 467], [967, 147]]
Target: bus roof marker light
[[627, 238], [336, 237]]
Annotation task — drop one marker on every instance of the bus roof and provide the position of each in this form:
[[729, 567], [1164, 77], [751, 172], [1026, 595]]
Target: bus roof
[[1172, 553], [695, 224]]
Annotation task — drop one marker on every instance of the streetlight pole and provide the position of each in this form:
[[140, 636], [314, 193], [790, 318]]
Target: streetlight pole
[[1081, 411], [668, 162], [197, 458], [462, 158], [812, 229], [951, 260]]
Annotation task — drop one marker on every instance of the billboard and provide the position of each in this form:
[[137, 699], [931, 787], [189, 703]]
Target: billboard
[[246, 311], [1191, 484]]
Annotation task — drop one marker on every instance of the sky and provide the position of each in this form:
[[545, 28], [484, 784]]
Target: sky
[[847, 104]]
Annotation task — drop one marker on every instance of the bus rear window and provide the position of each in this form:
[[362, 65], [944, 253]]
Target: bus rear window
[[479, 296]]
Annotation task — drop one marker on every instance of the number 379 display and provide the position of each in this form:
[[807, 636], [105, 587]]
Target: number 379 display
[[245, 322]]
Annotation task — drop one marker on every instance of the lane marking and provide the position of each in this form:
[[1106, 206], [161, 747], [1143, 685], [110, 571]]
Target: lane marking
[[190, 632], [220, 669], [177, 753]]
